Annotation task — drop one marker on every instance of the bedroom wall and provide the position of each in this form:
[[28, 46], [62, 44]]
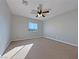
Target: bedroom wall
[[63, 28], [20, 28], [5, 18]]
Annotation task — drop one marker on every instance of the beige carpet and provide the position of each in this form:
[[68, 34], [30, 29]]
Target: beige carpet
[[42, 48]]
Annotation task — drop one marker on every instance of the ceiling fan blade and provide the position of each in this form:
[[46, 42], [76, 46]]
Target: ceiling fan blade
[[43, 15], [36, 15], [45, 12]]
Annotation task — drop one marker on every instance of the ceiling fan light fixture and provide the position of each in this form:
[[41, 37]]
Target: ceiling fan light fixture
[[39, 15]]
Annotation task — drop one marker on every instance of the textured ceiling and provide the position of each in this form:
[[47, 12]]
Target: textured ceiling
[[57, 6]]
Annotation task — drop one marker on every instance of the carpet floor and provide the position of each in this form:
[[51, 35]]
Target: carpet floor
[[40, 48]]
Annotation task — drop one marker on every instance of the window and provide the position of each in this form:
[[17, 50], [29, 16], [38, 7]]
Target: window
[[33, 26]]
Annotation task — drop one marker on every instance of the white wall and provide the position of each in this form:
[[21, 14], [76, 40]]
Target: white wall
[[5, 17], [63, 28], [20, 28]]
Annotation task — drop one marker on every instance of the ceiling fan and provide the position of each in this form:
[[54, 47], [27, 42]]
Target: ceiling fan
[[39, 12]]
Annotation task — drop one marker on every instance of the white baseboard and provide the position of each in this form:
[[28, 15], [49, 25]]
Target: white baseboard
[[25, 38], [51, 39], [62, 41]]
